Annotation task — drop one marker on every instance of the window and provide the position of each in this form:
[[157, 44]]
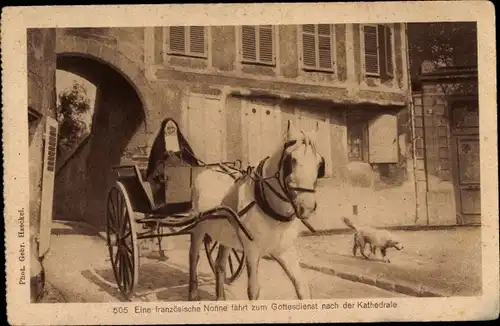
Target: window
[[378, 51], [357, 138], [257, 44], [372, 138], [317, 47], [187, 41]]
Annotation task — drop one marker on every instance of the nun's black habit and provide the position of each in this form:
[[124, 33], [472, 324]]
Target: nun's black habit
[[159, 154]]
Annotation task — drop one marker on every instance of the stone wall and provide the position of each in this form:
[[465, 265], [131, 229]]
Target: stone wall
[[41, 99]]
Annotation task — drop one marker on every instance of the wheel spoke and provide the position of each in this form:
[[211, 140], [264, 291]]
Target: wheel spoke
[[124, 218], [130, 270], [231, 267], [111, 213], [126, 268], [116, 256], [213, 247], [129, 249], [119, 267], [126, 235], [116, 218], [114, 204], [119, 213], [237, 256]]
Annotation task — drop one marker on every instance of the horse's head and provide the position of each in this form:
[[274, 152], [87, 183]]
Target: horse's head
[[301, 167]]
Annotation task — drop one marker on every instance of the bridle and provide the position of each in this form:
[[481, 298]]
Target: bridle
[[284, 165]]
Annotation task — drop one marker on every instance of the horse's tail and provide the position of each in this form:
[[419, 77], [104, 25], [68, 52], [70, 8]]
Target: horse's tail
[[349, 223]]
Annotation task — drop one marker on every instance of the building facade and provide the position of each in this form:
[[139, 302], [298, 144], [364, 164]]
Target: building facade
[[447, 147], [232, 90]]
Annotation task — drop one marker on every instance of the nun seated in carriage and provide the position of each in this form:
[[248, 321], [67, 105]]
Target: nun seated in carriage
[[170, 148]]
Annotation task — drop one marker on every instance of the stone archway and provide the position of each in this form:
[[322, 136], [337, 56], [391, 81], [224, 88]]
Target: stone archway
[[118, 133]]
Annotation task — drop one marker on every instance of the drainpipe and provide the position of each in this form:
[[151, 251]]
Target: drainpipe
[[412, 121]]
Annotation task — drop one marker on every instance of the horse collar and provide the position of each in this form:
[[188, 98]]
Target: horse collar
[[261, 199]]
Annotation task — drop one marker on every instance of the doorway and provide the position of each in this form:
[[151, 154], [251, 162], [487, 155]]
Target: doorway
[[466, 161]]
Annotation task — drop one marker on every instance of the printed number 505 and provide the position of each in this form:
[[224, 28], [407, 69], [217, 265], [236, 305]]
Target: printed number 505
[[120, 310]]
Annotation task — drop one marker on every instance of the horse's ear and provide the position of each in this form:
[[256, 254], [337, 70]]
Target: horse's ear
[[313, 135], [291, 132]]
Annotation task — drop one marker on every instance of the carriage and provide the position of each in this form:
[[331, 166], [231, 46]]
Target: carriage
[[132, 215], [143, 204]]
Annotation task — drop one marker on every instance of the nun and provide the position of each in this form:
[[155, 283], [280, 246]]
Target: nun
[[170, 148]]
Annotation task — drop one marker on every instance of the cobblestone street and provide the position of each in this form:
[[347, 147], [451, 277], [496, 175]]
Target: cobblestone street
[[78, 266]]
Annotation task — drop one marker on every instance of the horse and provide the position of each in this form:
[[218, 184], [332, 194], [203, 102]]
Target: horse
[[272, 199]]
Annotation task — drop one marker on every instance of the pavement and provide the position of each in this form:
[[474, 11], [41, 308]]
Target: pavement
[[433, 263]]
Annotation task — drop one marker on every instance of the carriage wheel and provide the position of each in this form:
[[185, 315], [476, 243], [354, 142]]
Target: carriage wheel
[[122, 239], [235, 262]]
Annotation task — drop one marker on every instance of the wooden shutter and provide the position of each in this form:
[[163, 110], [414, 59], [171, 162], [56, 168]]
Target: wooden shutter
[[388, 52], [48, 175], [257, 44], [308, 46], [249, 44], [266, 49], [382, 49], [197, 40], [325, 47], [371, 50], [383, 139], [177, 39]]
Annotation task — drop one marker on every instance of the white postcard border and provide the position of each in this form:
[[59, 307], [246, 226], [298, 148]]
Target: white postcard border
[[16, 20]]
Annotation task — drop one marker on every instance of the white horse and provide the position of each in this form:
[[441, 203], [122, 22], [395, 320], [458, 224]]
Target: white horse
[[280, 189]]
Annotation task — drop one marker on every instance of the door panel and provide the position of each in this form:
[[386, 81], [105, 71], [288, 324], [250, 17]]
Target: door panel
[[316, 121], [261, 130], [206, 125], [469, 175]]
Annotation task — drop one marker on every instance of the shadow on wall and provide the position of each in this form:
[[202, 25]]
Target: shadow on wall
[[83, 183]]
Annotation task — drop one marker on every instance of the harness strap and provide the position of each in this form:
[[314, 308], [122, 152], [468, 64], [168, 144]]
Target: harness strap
[[261, 200]]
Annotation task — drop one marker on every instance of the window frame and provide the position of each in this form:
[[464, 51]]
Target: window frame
[[363, 51], [386, 75], [361, 122], [333, 52], [187, 53], [257, 61]]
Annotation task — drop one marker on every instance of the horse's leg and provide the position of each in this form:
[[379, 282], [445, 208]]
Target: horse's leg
[[289, 261], [220, 272], [252, 261], [194, 256]]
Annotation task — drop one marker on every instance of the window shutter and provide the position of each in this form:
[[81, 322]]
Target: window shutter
[[325, 46], [382, 46], [308, 46], [389, 63], [383, 139], [371, 50], [249, 46], [177, 41], [197, 39], [266, 51]]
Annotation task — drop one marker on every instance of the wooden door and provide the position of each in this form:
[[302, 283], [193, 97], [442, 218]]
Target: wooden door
[[466, 162], [468, 178], [317, 121], [261, 129], [205, 132]]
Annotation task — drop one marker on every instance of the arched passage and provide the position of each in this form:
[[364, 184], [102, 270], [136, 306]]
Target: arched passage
[[118, 133]]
